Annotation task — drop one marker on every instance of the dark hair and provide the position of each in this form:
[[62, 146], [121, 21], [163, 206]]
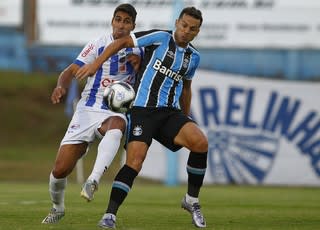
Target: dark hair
[[193, 12], [128, 8]]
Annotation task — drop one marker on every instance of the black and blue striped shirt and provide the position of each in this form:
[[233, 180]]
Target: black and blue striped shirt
[[165, 65]]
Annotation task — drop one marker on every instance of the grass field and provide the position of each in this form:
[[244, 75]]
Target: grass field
[[156, 207]]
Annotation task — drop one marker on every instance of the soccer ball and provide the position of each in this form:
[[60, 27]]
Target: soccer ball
[[119, 96]]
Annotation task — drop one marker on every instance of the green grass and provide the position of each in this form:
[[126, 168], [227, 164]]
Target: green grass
[[156, 207]]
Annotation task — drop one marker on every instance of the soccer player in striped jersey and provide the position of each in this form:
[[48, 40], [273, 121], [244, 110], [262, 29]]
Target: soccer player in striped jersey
[[92, 118], [161, 108]]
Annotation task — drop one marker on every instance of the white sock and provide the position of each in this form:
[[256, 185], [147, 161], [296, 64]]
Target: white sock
[[107, 149], [191, 199], [56, 190]]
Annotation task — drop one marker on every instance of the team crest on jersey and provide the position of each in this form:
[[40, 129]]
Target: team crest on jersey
[[185, 63], [73, 127], [170, 54], [106, 81], [137, 130]]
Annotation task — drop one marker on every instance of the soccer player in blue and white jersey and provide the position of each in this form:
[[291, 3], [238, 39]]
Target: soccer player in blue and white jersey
[[161, 108], [92, 118]]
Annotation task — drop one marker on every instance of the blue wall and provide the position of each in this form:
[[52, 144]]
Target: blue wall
[[283, 64], [13, 53], [51, 59]]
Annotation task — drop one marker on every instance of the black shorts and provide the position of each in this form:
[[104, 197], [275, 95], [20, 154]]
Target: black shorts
[[161, 124]]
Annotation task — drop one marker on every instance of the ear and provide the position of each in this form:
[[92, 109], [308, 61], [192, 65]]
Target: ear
[[177, 20]]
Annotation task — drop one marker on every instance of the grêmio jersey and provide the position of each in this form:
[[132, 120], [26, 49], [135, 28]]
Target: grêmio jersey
[[116, 68], [165, 65]]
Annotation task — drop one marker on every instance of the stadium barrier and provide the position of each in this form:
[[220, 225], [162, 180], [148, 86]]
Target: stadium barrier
[[265, 63], [278, 64], [13, 55]]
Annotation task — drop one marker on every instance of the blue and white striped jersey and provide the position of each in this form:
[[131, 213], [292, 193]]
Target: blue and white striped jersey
[[165, 65], [116, 68]]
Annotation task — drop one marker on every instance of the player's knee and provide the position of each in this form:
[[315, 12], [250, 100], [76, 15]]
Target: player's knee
[[60, 172], [135, 162], [57, 174], [200, 144]]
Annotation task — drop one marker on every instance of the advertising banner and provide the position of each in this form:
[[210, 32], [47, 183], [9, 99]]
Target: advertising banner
[[227, 23], [259, 131], [260, 24], [75, 22], [11, 13]]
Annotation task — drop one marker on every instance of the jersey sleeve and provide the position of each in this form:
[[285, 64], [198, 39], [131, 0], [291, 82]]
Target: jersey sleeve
[[146, 38], [88, 54]]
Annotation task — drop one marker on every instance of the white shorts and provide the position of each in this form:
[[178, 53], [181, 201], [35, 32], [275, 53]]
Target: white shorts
[[84, 124]]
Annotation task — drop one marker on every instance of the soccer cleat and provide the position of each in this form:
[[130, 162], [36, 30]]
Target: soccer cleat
[[88, 189], [53, 217], [108, 221], [194, 209]]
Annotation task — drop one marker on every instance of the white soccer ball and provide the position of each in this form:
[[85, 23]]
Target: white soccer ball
[[119, 96]]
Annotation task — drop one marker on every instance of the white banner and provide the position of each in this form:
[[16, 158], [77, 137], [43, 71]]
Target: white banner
[[259, 131], [260, 24], [11, 13], [227, 23], [75, 22]]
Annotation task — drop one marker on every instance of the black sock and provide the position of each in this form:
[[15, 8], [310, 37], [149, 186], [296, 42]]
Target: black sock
[[120, 188], [196, 168]]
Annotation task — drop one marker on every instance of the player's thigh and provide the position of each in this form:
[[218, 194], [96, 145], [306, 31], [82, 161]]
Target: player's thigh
[[191, 137], [172, 123], [143, 123]]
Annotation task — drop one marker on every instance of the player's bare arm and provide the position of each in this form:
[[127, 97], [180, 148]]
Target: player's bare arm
[[63, 83], [113, 48], [185, 99]]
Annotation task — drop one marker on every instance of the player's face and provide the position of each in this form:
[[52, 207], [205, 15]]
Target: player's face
[[122, 24], [187, 28]]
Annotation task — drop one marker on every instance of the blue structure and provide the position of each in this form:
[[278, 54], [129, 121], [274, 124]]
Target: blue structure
[[281, 64], [50, 59], [301, 64], [13, 53]]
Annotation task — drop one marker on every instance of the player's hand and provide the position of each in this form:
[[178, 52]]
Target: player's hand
[[85, 71], [57, 94], [135, 61]]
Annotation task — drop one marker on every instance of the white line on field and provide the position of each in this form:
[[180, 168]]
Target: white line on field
[[27, 202]]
